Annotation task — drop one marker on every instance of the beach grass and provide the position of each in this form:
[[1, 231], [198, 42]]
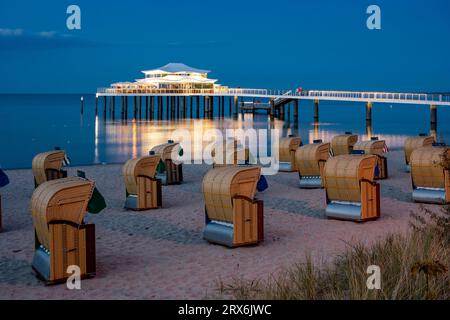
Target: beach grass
[[413, 266]]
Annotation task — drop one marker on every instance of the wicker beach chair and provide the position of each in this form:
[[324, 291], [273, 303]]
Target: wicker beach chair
[[168, 171], [288, 146], [375, 147], [413, 143], [343, 144], [351, 191], [430, 174], [62, 238], [310, 160], [143, 190], [47, 166], [233, 216], [229, 152]]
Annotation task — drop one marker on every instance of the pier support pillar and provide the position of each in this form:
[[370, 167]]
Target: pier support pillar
[[104, 107], [197, 105], [113, 101], [96, 105], [235, 105], [433, 121], [316, 110], [223, 106], [191, 106], [82, 105]]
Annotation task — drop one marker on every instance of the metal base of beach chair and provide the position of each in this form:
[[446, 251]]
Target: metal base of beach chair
[[432, 196], [246, 229], [310, 182]]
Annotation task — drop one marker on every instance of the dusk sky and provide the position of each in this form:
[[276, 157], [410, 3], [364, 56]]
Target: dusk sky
[[254, 44]]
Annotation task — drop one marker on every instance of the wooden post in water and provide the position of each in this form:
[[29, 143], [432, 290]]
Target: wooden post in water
[[369, 119], [433, 121], [82, 105], [96, 105], [316, 110], [235, 106]]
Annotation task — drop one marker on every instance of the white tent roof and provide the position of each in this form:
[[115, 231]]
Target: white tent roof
[[177, 79], [175, 68]]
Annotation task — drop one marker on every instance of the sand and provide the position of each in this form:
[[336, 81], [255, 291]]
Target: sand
[[160, 254]]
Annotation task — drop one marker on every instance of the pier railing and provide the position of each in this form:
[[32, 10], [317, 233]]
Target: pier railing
[[281, 95]]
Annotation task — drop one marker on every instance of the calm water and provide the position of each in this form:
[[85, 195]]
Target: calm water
[[30, 124]]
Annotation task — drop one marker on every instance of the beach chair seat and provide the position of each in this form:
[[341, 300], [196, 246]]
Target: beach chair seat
[[143, 190], [413, 143], [430, 174], [234, 217], [168, 171], [62, 238], [343, 144], [310, 160], [375, 147], [351, 192], [47, 166], [287, 147]]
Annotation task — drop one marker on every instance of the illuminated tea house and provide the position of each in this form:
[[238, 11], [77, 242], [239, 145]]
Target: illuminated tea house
[[171, 78]]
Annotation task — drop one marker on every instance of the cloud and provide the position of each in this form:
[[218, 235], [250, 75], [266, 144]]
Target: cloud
[[47, 34], [4, 32], [19, 39]]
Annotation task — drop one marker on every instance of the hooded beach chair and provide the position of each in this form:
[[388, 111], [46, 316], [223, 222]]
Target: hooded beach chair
[[233, 216], [47, 166], [343, 144], [167, 170], [62, 238], [375, 147], [143, 190], [351, 192], [287, 147], [430, 174], [413, 143], [310, 160]]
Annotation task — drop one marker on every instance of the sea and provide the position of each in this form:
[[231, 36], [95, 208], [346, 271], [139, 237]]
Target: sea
[[34, 123]]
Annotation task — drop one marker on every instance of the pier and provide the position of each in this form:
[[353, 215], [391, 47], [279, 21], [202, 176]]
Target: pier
[[178, 91]]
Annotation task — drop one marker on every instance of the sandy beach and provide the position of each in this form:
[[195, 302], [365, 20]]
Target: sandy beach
[[160, 254]]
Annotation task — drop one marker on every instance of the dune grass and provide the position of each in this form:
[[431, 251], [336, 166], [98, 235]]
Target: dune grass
[[414, 265]]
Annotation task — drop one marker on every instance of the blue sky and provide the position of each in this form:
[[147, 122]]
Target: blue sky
[[320, 44]]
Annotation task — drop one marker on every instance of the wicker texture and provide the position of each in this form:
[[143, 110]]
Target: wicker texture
[[221, 184], [413, 143], [426, 168], [342, 176], [231, 154], [371, 147], [165, 150], [288, 146], [343, 144], [44, 161], [309, 157], [145, 166], [63, 199]]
